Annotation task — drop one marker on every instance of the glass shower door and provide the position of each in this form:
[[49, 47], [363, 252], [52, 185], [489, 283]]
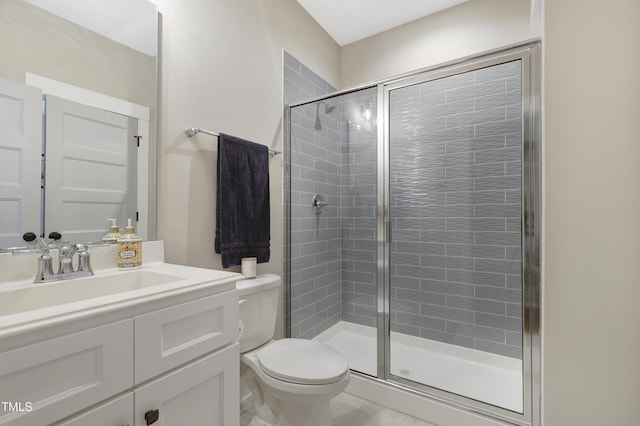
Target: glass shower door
[[455, 246], [333, 245]]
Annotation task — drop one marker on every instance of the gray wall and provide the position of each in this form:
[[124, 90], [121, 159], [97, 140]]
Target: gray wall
[[333, 255], [454, 203], [358, 209], [315, 240], [455, 208]]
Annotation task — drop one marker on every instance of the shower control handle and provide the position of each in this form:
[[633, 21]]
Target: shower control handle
[[318, 203]]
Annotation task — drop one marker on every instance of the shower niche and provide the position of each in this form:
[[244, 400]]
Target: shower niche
[[422, 270]]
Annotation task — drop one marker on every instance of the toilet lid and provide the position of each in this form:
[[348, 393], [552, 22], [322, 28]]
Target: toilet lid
[[302, 361]]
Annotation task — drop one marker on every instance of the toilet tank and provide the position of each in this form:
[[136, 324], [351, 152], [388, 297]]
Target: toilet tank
[[259, 300]]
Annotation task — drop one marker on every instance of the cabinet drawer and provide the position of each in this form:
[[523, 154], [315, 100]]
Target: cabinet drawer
[[203, 393], [57, 376], [170, 337], [117, 412]]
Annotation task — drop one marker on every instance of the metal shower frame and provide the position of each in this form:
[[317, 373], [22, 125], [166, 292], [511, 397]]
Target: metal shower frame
[[529, 55]]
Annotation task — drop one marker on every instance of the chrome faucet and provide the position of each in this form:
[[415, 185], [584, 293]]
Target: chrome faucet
[[35, 244], [66, 250], [65, 258]]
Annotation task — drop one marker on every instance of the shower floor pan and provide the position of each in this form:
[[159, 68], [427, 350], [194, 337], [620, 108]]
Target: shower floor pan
[[493, 379]]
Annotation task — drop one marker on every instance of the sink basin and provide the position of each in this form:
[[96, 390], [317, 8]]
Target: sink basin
[[27, 307], [57, 293]]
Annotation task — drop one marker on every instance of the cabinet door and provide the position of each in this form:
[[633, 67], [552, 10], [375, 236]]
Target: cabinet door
[[63, 375], [117, 412], [204, 393], [171, 337]]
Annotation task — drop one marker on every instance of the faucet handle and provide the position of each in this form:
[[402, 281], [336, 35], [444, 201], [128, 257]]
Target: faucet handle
[[55, 236], [84, 259], [44, 271], [40, 244], [53, 240], [28, 237]]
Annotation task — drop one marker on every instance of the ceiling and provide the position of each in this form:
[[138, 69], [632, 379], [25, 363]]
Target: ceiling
[[352, 20]]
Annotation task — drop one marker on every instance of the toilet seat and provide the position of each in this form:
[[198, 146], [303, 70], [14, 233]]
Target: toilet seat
[[302, 361]]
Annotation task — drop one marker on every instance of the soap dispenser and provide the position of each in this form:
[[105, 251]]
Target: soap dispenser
[[114, 233], [129, 248]]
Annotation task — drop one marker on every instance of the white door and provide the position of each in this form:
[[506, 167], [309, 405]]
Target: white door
[[90, 169], [20, 161]]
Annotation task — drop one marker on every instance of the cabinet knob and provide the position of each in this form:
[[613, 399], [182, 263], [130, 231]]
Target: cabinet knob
[[152, 416]]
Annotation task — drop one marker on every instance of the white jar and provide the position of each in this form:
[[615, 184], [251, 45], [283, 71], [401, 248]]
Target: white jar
[[249, 266]]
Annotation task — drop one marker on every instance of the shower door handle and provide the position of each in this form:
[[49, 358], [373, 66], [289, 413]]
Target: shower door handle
[[387, 230]]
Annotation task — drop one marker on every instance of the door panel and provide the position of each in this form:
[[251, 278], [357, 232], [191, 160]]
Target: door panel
[[455, 273], [20, 161], [90, 169]]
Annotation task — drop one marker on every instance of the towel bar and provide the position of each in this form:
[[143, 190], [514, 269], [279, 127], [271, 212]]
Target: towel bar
[[192, 131]]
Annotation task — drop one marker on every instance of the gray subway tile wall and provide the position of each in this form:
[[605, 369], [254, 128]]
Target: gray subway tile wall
[[455, 196], [358, 209], [455, 208], [315, 240]]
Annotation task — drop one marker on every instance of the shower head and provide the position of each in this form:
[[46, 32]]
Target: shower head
[[328, 109]]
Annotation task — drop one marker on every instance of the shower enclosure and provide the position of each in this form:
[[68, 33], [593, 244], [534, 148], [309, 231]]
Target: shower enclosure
[[412, 211]]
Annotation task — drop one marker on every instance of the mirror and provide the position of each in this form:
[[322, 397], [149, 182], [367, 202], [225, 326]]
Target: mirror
[[101, 53]]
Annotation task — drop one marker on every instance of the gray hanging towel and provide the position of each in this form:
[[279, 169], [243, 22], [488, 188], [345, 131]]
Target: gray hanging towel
[[242, 201]]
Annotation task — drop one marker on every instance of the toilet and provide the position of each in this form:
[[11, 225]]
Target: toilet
[[291, 380]]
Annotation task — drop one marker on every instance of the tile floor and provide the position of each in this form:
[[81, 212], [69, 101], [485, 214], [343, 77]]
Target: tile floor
[[349, 410]]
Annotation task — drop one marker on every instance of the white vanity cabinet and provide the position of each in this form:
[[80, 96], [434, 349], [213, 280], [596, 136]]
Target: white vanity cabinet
[[116, 412], [174, 360], [202, 392], [54, 378]]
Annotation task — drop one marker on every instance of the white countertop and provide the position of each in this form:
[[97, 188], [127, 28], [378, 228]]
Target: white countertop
[[25, 306]]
